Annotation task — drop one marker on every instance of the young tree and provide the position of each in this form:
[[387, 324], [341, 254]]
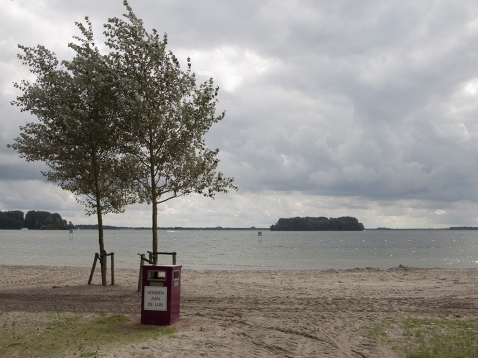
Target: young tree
[[76, 104], [165, 117]]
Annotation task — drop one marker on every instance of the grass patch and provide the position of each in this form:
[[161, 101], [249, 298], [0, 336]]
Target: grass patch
[[430, 335], [49, 334]]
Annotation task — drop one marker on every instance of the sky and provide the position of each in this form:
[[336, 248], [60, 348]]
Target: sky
[[333, 108]]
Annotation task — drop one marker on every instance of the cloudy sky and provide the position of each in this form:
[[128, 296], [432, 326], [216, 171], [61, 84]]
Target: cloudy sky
[[333, 108]]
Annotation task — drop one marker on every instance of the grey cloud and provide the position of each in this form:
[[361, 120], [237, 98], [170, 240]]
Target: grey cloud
[[364, 103], [30, 171]]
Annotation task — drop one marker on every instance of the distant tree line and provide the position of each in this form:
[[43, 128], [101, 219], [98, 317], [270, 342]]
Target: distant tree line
[[95, 227], [463, 228], [110, 227], [33, 220], [11, 219], [321, 223]]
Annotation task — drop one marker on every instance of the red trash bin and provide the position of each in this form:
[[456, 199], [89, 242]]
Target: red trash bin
[[161, 294]]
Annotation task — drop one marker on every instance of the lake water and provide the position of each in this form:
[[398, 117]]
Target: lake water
[[243, 249]]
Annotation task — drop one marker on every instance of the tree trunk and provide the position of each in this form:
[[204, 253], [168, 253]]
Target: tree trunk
[[154, 194], [103, 257], [99, 214], [155, 231]]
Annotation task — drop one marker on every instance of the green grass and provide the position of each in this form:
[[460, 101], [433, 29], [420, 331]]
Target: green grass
[[49, 334], [430, 335]]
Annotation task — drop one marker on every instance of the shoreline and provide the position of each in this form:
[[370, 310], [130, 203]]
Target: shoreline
[[262, 313]]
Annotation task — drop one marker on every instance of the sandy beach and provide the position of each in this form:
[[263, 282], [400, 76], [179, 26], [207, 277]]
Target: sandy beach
[[254, 313]]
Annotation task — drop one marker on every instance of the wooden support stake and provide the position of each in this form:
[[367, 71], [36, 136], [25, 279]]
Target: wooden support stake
[[174, 258], [140, 273], [112, 269], [93, 268], [104, 265]]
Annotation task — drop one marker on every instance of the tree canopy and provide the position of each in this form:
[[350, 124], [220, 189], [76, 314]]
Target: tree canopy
[[164, 118], [123, 127], [76, 104]]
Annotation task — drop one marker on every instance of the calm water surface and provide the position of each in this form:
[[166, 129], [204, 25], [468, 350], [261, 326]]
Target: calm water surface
[[242, 250]]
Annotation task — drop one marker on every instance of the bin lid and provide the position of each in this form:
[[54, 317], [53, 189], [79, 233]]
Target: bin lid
[[159, 266]]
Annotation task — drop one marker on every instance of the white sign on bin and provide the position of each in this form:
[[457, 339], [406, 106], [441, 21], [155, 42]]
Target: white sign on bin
[[155, 298]]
